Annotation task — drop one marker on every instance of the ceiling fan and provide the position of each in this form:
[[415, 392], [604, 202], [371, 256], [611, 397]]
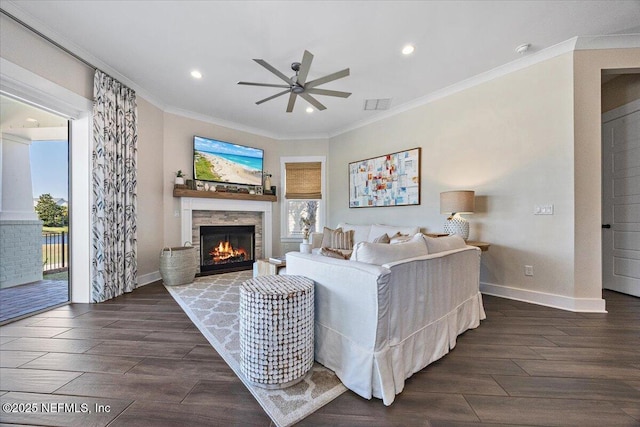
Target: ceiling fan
[[298, 84]]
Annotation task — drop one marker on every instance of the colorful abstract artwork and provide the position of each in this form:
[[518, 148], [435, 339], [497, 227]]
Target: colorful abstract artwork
[[390, 180]]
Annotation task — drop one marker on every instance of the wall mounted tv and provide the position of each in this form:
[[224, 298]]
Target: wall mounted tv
[[224, 162]]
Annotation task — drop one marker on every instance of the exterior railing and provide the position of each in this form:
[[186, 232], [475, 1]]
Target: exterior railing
[[55, 252]]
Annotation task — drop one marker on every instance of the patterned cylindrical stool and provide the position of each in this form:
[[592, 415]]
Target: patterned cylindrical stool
[[276, 330]]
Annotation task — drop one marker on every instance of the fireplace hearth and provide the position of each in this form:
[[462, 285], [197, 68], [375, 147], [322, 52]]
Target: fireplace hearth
[[226, 248]]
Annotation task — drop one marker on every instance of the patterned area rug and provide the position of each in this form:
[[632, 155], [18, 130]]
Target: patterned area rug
[[212, 302]]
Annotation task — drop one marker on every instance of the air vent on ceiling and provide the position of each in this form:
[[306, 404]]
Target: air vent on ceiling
[[377, 104]]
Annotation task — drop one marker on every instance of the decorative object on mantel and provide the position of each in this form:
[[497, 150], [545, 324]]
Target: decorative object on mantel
[[221, 188], [267, 180], [179, 178], [259, 189], [455, 203]]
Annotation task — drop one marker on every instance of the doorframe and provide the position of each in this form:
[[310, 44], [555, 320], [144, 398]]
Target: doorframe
[[606, 117], [31, 88]]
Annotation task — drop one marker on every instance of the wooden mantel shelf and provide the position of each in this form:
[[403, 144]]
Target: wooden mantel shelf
[[180, 192]]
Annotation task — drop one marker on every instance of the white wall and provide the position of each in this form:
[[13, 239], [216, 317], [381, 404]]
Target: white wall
[[150, 190], [23, 48], [178, 155], [510, 140]]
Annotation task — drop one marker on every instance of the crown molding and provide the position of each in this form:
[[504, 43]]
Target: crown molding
[[510, 67], [624, 41], [614, 41], [219, 122], [13, 9]]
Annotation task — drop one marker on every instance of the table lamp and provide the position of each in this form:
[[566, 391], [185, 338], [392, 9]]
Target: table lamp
[[455, 203]]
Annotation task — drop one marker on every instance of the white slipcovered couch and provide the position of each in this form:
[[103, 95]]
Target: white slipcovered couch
[[376, 325]]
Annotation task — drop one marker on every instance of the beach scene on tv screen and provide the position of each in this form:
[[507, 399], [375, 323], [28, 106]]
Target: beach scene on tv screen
[[225, 162]]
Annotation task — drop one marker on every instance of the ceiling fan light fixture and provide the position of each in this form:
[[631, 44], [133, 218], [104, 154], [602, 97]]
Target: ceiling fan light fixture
[[196, 74]]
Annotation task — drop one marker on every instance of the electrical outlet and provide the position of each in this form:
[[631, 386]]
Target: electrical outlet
[[543, 209], [528, 270]]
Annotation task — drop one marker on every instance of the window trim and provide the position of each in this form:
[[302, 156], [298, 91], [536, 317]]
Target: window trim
[[322, 208]]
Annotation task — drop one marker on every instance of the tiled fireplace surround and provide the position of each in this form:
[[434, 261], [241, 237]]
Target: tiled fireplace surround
[[200, 211]]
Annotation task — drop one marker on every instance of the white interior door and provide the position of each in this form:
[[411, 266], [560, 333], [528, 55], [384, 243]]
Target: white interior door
[[621, 201]]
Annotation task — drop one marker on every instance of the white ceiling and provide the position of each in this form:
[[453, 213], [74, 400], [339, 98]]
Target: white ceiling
[[155, 45]]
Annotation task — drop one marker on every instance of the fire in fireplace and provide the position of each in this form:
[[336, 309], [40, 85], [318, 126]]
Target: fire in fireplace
[[225, 252], [226, 248]]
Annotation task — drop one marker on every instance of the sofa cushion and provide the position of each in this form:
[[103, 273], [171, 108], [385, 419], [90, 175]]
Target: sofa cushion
[[390, 230], [336, 253], [360, 232], [337, 239], [381, 253], [382, 239], [447, 243]]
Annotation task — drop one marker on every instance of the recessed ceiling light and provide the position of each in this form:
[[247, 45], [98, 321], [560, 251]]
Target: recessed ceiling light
[[29, 119], [309, 110], [408, 49], [523, 48], [196, 74]]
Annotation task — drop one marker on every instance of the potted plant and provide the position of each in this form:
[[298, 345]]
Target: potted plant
[[179, 178]]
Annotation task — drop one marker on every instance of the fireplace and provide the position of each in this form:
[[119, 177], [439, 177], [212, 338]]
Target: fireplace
[[225, 248]]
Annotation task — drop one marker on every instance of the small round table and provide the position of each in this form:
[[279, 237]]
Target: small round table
[[276, 330]]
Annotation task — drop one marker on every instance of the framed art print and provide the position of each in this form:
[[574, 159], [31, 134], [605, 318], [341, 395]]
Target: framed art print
[[389, 180]]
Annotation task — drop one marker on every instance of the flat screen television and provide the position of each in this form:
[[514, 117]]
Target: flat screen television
[[225, 162]]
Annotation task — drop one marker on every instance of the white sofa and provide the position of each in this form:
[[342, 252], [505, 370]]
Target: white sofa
[[376, 325]]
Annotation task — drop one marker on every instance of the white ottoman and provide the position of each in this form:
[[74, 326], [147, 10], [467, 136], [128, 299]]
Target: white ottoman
[[276, 330]]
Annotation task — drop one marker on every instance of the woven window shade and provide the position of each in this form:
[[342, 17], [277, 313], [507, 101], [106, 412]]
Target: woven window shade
[[303, 180]]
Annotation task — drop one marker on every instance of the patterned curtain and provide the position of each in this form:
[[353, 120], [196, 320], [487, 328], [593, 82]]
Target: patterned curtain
[[114, 182]]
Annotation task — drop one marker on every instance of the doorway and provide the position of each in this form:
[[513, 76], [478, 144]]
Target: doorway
[[621, 199], [34, 210]]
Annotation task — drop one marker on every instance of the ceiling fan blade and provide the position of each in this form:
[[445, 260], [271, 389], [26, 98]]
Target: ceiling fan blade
[[305, 65], [326, 79], [292, 101], [328, 92], [311, 100], [261, 84], [274, 70], [273, 96]]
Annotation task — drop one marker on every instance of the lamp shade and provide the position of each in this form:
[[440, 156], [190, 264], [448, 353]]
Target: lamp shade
[[461, 201]]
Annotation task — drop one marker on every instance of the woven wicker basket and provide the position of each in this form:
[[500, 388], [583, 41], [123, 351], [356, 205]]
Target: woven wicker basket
[[178, 265]]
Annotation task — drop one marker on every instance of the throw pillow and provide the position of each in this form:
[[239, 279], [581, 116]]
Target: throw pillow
[[382, 239], [441, 244], [399, 238], [337, 239], [334, 253], [380, 253]]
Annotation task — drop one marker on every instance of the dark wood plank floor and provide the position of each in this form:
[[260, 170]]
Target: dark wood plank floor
[[137, 360]]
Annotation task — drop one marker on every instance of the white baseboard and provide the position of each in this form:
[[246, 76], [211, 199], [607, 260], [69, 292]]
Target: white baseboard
[[145, 279], [586, 305]]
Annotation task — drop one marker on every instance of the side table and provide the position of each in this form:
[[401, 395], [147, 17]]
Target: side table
[[263, 267], [276, 330]]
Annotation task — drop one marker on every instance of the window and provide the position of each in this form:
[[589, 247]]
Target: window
[[303, 184]]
